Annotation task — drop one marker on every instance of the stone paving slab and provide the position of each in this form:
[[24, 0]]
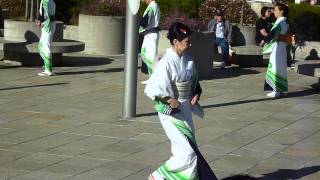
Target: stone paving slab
[[69, 126]]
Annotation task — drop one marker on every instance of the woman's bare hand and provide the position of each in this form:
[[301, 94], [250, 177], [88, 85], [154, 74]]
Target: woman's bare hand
[[174, 103], [194, 100]]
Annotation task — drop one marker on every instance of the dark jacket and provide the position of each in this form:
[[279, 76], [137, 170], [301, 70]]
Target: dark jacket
[[227, 29]]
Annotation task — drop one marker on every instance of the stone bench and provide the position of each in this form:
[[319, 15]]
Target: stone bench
[[248, 56], [308, 68], [27, 54]]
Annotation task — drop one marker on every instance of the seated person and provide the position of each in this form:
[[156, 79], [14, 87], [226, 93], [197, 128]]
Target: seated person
[[222, 35]]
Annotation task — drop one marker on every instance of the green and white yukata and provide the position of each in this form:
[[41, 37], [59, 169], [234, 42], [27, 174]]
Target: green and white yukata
[[276, 77], [176, 77], [149, 48], [48, 27]]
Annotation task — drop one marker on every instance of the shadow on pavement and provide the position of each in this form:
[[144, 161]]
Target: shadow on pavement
[[284, 174], [307, 92], [77, 61], [33, 86], [230, 73], [8, 67], [110, 70]]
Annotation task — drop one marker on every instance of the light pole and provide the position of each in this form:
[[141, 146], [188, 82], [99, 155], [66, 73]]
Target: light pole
[[131, 60], [31, 11]]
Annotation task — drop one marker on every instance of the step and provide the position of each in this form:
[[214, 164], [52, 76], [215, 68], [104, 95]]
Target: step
[[1, 43], [308, 68]]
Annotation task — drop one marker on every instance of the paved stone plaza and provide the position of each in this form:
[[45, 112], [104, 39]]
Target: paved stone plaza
[[69, 126]]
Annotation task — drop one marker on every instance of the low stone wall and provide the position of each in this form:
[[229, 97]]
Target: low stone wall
[[103, 35], [310, 51], [71, 32], [20, 31], [243, 35]]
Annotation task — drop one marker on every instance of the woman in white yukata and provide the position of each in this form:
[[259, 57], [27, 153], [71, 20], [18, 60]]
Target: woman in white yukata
[[47, 23], [174, 83], [276, 77]]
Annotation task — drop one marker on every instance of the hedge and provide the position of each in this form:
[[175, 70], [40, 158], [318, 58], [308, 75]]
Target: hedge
[[304, 20]]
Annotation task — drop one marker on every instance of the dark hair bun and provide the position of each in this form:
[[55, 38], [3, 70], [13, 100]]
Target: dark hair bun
[[178, 31]]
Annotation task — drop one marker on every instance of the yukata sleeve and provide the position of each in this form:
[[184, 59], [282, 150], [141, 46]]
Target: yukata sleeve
[[196, 87], [46, 22], [274, 33], [159, 84], [196, 90], [41, 16], [271, 39], [159, 89], [144, 21]]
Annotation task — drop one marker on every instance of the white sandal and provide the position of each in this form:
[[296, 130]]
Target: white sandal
[[44, 73]]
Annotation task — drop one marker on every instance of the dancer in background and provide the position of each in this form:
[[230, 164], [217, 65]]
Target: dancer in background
[[174, 83], [149, 27], [47, 23]]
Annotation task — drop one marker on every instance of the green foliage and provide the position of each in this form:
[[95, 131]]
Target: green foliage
[[304, 20], [186, 7], [68, 11], [16, 7], [104, 7], [185, 11], [232, 11]]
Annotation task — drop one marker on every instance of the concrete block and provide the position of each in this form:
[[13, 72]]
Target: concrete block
[[103, 35]]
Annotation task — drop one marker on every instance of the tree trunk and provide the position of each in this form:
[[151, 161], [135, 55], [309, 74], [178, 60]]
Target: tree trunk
[[37, 10], [242, 12], [27, 10], [31, 11]]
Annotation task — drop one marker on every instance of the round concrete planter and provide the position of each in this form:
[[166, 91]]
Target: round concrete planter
[[103, 35], [21, 31], [243, 35]]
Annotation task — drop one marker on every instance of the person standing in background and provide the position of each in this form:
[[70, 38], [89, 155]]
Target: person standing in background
[[222, 35], [263, 26]]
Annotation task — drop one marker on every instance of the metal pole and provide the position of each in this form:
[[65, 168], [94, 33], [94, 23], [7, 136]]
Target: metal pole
[[31, 11], [131, 64], [27, 10]]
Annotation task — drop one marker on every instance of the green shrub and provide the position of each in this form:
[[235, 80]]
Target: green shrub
[[232, 11], [104, 7], [185, 11], [187, 7], [68, 11], [304, 21]]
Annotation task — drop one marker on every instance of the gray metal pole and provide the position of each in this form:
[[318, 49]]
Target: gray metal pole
[[131, 64], [31, 11]]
